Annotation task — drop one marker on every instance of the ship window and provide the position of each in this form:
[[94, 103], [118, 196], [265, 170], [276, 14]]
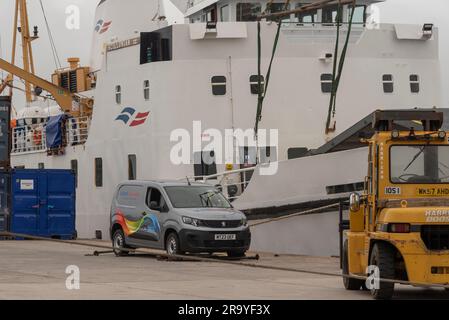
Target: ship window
[[306, 17], [295, 153], [41, 166], [414, 83], [205, 164], [218, 85], [74, 167], [132, 167], [248, 11], [388, 84], [277, 7], [224, 13], [345, 188], [326, 82], [146, 90], [254, 83], [118, 94], [98, 172], [329, 14], [359, 14]]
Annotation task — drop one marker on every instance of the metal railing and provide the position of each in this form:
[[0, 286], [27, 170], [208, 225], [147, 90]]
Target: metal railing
[[32, 138], [29, 139], [231, 183], [77, 130]]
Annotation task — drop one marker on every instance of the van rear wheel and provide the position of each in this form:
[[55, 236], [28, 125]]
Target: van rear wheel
[[118, 243]]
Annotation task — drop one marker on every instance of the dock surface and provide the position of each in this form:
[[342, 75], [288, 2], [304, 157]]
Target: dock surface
[[36, 270]]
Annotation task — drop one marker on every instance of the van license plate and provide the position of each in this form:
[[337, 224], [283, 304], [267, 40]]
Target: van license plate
[[225, 237]]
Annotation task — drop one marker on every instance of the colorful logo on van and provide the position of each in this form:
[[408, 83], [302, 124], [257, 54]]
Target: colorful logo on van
[[147, 224], [102, 26], [127, 116]]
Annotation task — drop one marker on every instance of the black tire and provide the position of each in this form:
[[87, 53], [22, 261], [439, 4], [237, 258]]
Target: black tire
[[173, 245], [383, 256], [349, 283], [118, 242], [236, 254]]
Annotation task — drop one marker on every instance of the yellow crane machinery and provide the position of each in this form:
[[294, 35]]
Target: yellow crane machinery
[[69, 101], [399, 226], [21, 14]]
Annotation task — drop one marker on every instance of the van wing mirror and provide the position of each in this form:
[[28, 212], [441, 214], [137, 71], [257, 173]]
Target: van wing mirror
[[354, 202]]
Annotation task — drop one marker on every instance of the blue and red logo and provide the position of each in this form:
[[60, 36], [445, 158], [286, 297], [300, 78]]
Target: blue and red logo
[[102, 26], [127, 116]]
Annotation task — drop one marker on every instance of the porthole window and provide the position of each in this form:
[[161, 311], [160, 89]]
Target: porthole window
[[146, 90], [388, 84], [326, 82], [254, 83], [118, 94], [414, 83], [219, 85]]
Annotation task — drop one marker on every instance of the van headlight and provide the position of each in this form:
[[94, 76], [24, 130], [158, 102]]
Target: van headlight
[[192, 221], [244, 222]]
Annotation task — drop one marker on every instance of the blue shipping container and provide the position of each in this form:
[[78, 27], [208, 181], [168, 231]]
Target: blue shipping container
[[43, 203], [4, 200]]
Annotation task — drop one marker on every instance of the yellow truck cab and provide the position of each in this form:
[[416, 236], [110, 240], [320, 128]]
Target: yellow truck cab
[[399, 226]]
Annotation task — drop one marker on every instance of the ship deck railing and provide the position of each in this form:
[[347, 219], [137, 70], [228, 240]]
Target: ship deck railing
[[32, 138], [232, 183]]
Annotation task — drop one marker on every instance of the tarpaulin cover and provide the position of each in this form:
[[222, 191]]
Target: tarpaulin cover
[[53, 131]]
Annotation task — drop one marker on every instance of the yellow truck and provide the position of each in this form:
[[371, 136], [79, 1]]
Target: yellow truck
[[399, 225]]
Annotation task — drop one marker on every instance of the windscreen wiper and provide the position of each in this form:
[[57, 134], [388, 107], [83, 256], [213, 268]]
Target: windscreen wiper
[[415, 157]]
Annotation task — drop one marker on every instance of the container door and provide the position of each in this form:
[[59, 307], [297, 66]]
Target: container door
[[59, 218], [44, 203], [25, 203]]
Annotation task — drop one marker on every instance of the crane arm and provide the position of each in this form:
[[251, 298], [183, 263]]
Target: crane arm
[[5, 83], [63, 97]]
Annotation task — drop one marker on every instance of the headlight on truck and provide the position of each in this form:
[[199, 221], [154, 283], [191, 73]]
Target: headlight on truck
[[192, 221]]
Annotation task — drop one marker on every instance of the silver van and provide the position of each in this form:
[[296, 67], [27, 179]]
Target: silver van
[[178, 217]]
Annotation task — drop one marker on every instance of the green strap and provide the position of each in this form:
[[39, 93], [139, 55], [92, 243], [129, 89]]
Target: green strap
[[261, 96], [336, 76]]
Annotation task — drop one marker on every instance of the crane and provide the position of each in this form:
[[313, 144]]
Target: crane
[[68, 101]]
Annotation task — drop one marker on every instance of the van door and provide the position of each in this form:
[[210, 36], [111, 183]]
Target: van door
[[157, 212]]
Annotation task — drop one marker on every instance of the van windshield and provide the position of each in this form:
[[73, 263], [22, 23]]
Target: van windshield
[[197, 197]]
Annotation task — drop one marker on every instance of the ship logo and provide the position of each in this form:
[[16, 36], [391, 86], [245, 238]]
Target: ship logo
[[127, 116], [102, 26]]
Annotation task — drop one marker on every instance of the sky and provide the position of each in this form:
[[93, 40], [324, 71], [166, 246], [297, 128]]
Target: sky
[[76, 43]]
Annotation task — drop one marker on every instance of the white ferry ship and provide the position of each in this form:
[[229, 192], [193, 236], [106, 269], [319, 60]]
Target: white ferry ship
[[151, 78]]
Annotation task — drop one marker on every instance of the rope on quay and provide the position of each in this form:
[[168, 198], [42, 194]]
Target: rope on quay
[[211, 260]]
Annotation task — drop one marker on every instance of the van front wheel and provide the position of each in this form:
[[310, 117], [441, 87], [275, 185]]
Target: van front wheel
[[118, 243], [172, 245]]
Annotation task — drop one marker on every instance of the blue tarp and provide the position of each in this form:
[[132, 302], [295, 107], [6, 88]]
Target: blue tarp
[[53, 131]]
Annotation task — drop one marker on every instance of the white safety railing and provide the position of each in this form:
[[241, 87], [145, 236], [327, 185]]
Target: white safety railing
[[32, 138], [232, 183], [77, 130], [29, 139]]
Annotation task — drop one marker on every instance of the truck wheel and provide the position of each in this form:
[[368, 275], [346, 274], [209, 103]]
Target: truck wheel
[[118, 243], [349, 283], [383, 256], [173, 245]]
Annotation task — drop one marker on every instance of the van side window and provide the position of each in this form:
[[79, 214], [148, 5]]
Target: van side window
[[130, 196], [156, 196]]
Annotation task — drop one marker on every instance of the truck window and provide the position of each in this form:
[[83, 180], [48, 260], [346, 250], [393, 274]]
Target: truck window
[[156, 196]]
